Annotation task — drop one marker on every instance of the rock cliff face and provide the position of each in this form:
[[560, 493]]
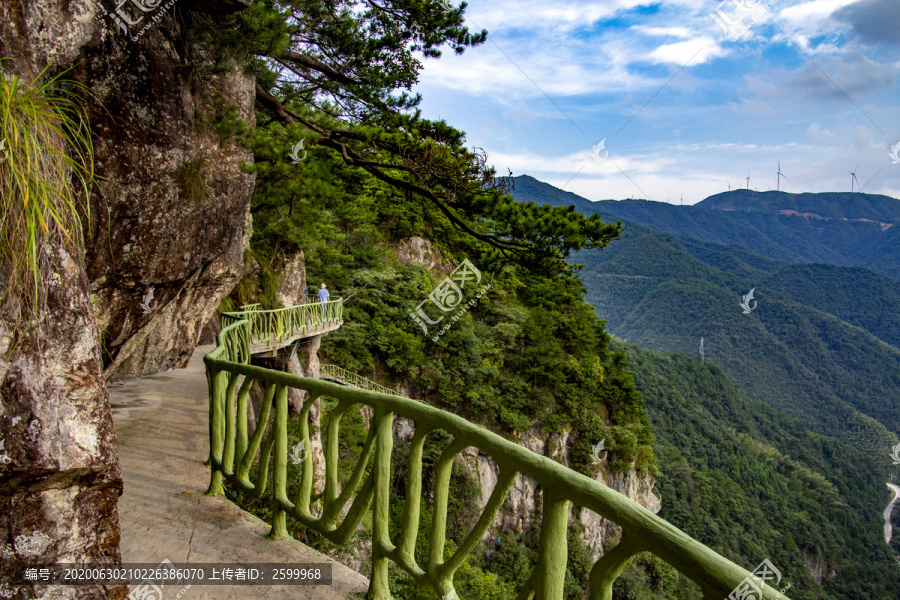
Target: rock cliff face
[[169, 225], [417, 250], [293, 280], [59, 471], [171, 217], [523, 503]]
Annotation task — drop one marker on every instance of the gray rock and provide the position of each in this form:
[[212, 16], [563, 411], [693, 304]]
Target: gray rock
[[59, 471], [171, 217], [293, 280]]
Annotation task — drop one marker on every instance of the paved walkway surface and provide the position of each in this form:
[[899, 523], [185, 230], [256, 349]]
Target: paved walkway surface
[[162, 428]]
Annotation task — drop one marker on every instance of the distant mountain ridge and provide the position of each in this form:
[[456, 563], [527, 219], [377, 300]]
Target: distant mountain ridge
[[824, 343], [844, 229], [826, 205]]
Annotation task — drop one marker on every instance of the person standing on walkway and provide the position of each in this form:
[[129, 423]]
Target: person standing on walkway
[[306, 294], [323, 295]]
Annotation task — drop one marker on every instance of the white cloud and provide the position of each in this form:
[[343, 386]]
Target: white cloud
[[813, 12], [807, 21], [696, 51], [681, 32]]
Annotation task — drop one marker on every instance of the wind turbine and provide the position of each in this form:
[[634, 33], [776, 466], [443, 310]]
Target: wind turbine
[[780, 175], [729, 185], [853, 178], [748, 179]]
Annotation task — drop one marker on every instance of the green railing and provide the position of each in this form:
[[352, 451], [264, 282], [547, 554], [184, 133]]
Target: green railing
[[273, 328], [234, 451], [357, 381]]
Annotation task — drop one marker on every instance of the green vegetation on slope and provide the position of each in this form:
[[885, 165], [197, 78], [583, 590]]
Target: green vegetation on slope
[[530, 351], [816, 367], [752, 483], [858, 296]]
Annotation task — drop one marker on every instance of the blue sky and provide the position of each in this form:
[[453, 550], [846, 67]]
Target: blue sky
[[684, 106]]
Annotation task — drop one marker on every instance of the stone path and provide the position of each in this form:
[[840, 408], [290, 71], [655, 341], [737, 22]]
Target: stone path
[[162, 429]]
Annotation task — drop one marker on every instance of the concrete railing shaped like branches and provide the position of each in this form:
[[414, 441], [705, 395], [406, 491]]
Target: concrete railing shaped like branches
[[357, 381], [235, 451], [273, 328]]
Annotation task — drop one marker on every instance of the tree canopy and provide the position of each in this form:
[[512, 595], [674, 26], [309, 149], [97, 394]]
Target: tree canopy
[[340, 75]]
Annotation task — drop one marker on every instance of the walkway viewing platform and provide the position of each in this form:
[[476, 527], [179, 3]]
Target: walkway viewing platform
[[278, 328], [162, 426]]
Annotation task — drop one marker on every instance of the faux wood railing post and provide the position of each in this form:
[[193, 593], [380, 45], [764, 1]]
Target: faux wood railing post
[[610, 566], [550, 573], [242, 435], [384, 444], [228, 452], [216, 431], [407, 543], [279, 477]]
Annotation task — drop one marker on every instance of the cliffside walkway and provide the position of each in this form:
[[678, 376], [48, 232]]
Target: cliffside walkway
[[273, 329], [345, 377], [245, 459], [162, 425]]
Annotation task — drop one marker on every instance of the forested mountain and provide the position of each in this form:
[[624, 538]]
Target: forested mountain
[[819, 348], [750, 481], [799, 359], [837, 228], [821, 342]]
